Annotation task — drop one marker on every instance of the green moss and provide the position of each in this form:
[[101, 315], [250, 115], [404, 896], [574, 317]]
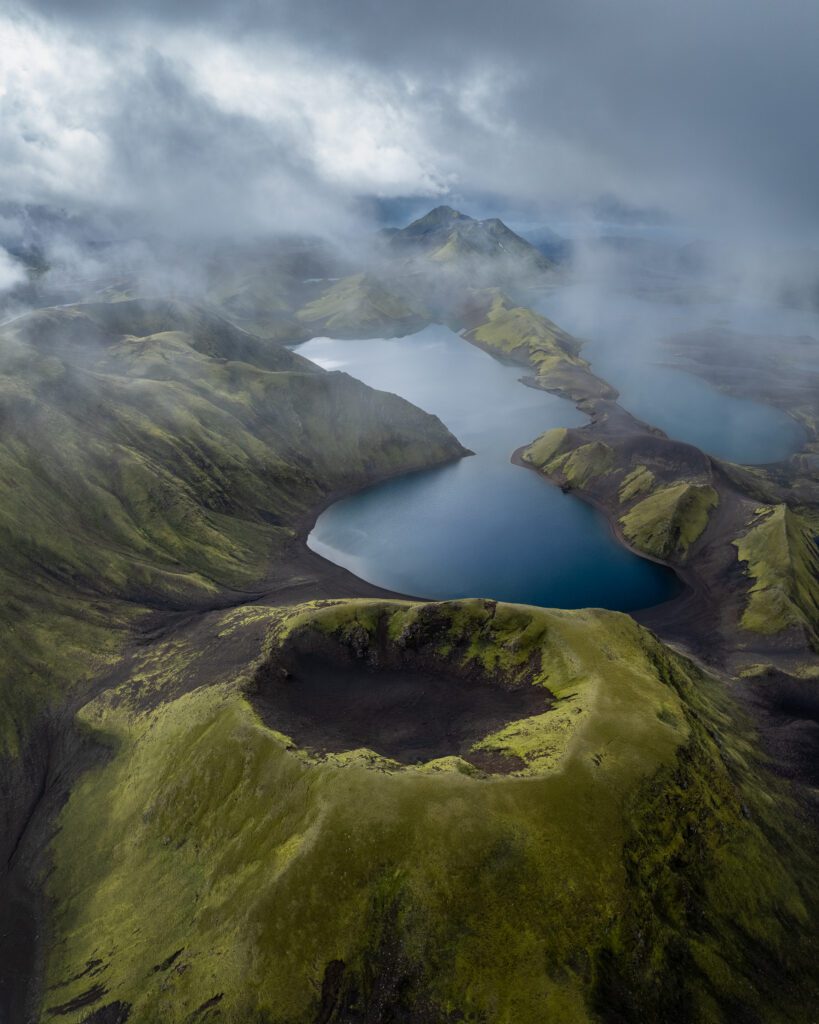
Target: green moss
[[521, 334], [493, 900], [159, 469], [453, 250], [589, 461], [638, 481], [543, 450], [575, 466], [781, 556], [517, 330], [667, 522], [360, 306]]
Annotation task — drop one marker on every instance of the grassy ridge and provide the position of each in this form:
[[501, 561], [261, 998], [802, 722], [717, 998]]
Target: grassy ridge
[[211, 864], [519, 333], [153, 455], [669, 520], [781, 556], [361, 307]]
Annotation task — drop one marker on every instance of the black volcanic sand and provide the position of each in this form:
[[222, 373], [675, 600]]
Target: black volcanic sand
[[788, 715], [410, 714]]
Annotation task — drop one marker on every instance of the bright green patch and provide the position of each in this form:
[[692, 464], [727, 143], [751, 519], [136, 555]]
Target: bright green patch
[[521, 334], [577, 466], [638, 481], [543, 450], [588, 462], [782, 558], [514, 899], [667, 522], [516, 330]]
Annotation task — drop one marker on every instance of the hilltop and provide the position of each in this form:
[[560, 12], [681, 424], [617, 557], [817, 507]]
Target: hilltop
[[446, 236]]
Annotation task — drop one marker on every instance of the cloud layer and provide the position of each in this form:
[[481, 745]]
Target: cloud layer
[[209, 116]]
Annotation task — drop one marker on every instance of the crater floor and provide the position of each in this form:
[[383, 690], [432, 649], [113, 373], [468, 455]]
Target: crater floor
[[408, 714]]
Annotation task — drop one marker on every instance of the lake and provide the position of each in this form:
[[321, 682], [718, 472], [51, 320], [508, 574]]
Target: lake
[[623, 337], [480, 527]]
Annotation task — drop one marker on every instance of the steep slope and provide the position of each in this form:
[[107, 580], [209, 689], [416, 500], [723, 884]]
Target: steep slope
[[780, 553], [669, 520], [493, 322], [154, 455], [631, 867], [182, 447], [361, 306]]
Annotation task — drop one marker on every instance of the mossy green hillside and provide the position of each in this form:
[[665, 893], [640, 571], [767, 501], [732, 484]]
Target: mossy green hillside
[[576, 466], [171, 463], [519, 333], [641, 866], [780, 555], [637, 482], [154, 454], [545, 448], [361, 307], [671, 519], [662, 520]]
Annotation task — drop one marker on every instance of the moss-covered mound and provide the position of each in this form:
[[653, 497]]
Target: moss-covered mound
[[782, 558], [633, 869], [494, 323], [668, 521], [661, 490], [361, 307], [575, 466]]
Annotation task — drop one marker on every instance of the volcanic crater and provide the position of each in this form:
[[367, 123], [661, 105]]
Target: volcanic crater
[[332, 694]]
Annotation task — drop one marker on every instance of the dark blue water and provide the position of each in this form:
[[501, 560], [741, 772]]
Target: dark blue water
[[624, 338], [480, 527]]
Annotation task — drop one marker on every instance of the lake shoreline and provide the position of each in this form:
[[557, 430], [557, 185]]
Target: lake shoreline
[[482, 529]]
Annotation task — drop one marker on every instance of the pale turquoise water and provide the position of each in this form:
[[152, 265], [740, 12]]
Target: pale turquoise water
[[480, 527]]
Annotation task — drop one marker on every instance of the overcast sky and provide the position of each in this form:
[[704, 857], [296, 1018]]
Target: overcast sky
[[278, 115]]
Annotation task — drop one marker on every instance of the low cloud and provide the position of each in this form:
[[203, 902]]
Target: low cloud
[[12, 273], [251, 117]]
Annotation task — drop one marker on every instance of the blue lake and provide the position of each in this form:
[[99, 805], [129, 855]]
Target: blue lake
[[480, 527], [623, 338]]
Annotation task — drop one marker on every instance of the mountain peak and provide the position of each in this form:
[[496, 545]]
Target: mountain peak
[[439, 217], [446, 235], [447, 211]]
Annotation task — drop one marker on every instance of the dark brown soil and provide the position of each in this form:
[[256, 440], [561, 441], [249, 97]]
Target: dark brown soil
[[411, 715]]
